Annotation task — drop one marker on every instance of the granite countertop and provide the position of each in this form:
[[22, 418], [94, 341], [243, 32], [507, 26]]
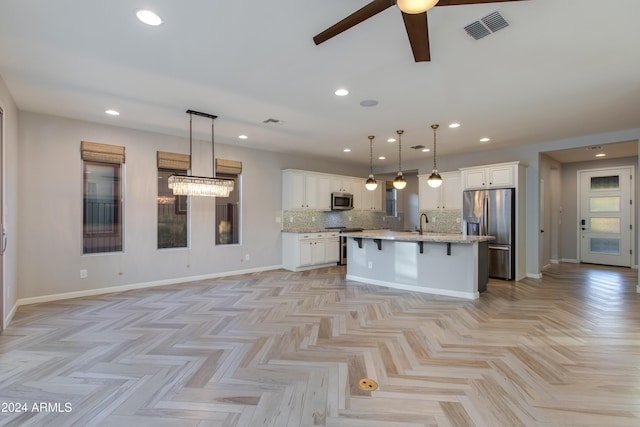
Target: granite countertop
[[408, 236]]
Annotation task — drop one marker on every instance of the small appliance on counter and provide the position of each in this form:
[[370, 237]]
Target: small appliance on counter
[[343, 242]]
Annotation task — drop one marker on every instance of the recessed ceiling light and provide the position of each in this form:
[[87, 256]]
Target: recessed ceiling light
[[601, 155], [112, 112], [454, 125], [425, 150], [391, 140], [485, 139], [149, 17], [342, 92], [382, 158], [347, 150], [243, 137]]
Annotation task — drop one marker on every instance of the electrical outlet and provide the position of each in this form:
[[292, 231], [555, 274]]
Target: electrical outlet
[[278, 220], [290, 219], [313, 219], [83, 274], [349, 219], [458, 220], [370, 264], [247, 257]]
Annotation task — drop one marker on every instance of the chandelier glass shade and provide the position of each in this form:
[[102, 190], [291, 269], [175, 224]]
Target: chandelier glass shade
[[399, 182], [434, 180], [371, 183], [415, 6], [187, 185]]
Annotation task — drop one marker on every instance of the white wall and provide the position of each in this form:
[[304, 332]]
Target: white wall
[[50, 183], [10, 164]]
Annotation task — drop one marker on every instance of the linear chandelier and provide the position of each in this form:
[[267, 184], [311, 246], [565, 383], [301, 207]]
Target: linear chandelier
[[187, 185]]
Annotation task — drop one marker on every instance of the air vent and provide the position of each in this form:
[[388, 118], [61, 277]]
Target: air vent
[[418, 147], [487, 25], [275, 121], [594, 147]]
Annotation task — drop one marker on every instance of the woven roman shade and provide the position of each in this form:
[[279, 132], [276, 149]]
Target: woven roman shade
[[106, 153], [173, 161], [228, 167]]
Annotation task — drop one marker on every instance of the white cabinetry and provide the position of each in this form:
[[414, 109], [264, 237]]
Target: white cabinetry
[[372, 200], [305, 190], [302, 251], [493, 176], [447, 196]]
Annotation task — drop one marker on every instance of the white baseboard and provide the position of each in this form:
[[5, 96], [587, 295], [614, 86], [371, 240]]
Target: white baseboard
[[133, 286], [424, 290], [7, 319], [570, 260], [534, 275], [554, 261]]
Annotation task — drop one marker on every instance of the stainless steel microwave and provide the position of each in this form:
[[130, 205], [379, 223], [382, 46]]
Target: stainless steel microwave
[[341, 201]]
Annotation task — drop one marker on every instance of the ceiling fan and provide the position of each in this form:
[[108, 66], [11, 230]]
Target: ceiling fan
[[415, 23]]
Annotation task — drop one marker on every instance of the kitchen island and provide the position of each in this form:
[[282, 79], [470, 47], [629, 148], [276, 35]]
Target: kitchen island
[[443, 264]]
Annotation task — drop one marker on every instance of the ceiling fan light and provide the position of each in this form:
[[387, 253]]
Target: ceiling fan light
[[399, 182], [371, 183], [434, 180], [415, 6]]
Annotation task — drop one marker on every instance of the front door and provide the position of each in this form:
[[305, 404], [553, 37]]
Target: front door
[[605, 223]]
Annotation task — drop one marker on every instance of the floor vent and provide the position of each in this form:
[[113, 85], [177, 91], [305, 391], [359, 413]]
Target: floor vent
[[487, 25]]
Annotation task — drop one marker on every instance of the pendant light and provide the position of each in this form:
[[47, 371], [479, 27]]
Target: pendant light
[[371, 183], [187, 185], [415, 6], [434, 180], [399, 182]]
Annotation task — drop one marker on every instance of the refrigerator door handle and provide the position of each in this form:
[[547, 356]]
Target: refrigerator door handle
[[485, 215], [499, 248]]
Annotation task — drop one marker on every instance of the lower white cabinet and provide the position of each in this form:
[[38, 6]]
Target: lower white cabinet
[[303, 251]]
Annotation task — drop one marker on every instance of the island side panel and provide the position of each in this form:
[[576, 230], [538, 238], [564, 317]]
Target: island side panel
[[400, 265]]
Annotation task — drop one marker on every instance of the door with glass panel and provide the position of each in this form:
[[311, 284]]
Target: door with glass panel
[[605, 223]]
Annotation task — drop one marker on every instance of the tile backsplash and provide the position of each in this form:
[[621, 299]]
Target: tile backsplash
[[447, 221], [303, 221]]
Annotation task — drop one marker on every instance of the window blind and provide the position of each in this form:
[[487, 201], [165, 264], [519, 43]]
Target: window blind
[[106, 153], [228, 167], [173, 161]]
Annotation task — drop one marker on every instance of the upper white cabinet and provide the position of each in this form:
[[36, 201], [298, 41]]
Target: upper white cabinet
[[301, 190], [447, 196], [371, 200], [304, 190], [501, 175]]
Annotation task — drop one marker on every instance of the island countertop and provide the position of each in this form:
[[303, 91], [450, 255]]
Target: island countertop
[[407, 236]]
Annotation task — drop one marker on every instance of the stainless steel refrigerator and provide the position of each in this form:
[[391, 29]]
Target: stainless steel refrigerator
[[492, 213]]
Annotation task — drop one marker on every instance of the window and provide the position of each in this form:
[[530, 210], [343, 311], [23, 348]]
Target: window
[[172, 213], [228, 208], [102, 197], [391, 199], [172, 210]]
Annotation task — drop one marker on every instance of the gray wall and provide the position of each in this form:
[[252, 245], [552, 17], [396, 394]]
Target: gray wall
[[10, 220], [50, 183]]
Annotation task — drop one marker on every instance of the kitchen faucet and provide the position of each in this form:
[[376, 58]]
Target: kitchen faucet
[[426, 220]]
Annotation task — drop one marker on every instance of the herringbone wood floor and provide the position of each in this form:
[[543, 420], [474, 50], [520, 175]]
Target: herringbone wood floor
[[287, 349]]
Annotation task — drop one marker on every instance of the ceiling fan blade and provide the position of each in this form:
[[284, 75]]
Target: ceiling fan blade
[[371, 9], [461, 2], [418, 32]]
